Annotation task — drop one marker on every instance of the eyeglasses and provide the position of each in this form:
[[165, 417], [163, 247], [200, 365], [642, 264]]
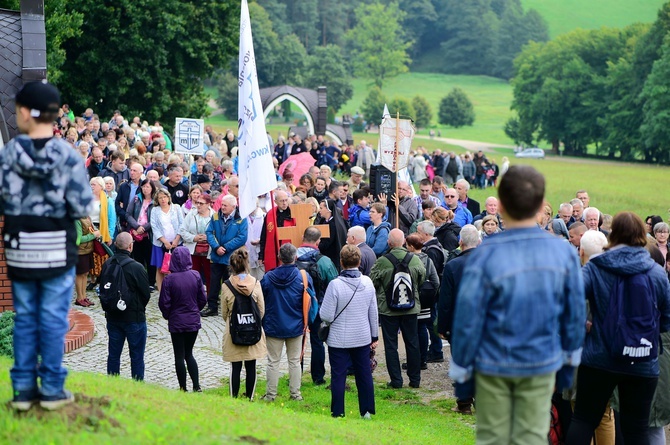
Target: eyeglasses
[[201, 203], [449, 196]]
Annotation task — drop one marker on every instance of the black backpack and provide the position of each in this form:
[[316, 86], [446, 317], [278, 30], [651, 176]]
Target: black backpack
[[114, 287], [245, 319], [400, 291], [312, 269]]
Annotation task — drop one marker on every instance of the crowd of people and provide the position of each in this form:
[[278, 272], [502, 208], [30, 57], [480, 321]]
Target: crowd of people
[[500, 281]]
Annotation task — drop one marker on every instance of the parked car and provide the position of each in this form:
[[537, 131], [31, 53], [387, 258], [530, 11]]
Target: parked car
[[537, 153]]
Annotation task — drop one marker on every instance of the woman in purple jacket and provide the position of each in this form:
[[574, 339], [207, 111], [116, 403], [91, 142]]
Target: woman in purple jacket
[[181, 299]]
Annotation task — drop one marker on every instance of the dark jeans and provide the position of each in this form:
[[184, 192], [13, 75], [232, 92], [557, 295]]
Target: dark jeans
[[235, 376], [594, 389], [408, 327], [136, 333], [219, 274], [317, 367], [340, 359], [425, 331], [182, 343], [142, 254]]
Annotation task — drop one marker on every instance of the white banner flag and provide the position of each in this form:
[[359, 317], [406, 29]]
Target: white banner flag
[[389, 136], [403, 174], [257, 174]]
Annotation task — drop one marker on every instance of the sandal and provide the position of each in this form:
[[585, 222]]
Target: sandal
[[82, 303]]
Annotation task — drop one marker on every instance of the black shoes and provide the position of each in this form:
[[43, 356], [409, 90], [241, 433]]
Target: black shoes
[[432, 359], [424, 366], [209, 312]]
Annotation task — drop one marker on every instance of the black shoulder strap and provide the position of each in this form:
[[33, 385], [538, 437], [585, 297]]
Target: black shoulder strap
[[235, 291], [407, 259], [232, 288], [394, 261], [125, 261]]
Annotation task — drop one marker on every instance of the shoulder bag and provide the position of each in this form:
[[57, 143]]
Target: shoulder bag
[[324, 328]]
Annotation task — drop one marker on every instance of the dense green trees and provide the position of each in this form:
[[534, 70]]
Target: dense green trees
[[456, 110], [152, 67], [604, 91], [377, 42]]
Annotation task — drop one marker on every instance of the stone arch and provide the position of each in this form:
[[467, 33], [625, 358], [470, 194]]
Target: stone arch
[[294, 100]]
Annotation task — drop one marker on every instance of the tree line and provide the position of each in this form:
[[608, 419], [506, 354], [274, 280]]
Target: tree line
[[602, 92]]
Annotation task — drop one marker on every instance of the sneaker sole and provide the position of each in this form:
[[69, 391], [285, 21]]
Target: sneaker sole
[[23, 406], [56, 404]]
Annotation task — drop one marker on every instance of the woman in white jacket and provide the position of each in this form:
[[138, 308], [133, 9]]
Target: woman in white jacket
[[350, 306]]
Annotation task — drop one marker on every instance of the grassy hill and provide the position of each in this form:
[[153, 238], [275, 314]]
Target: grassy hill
[[566, 15], [121, 411], [491, 98]]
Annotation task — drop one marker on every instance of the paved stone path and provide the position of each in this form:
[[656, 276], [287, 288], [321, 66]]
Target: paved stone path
[[158, 356]]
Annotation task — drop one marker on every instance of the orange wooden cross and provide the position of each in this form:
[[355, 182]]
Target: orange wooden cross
[[301, 213]]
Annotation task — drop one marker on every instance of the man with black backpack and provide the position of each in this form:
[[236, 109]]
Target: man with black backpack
[[124, 295], [397, 276], [322, 271]]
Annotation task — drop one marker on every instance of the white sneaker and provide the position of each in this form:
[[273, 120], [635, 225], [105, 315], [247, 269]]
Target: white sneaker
[[366, 416]]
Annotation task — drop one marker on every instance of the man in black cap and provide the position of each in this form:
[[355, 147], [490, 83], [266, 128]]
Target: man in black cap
[[44, 190]]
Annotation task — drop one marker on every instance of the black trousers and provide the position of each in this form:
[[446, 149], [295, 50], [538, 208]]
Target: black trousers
[[409, 328], [182, 343], [142, 254], [219, 273], [594, 389]]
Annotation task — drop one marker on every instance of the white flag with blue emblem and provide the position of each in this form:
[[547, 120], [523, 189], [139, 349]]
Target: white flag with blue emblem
[[255, 169]]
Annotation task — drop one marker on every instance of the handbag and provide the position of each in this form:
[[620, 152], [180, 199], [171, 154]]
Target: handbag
[[165, 267], [138, 236], [101, 249], [202, 247], [324, 329]]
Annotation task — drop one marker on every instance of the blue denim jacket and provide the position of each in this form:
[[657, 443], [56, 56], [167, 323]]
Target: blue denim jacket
[[520, 308]]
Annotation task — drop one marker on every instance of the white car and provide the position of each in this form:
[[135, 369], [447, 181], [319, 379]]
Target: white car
[[536, 153]]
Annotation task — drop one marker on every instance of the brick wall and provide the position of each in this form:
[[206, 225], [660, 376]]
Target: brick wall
[[5, 284]]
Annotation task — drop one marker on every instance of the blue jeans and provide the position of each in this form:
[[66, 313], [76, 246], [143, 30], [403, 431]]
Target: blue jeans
[[39, 330], [136, 333]]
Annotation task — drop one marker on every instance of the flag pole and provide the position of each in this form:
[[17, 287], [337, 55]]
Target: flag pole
[[395, 164]]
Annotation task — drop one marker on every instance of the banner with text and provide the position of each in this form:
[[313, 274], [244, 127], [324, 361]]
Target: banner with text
[[256, 172], [394, 132]]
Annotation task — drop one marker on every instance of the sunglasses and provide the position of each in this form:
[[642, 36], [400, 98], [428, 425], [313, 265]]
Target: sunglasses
[[449, 196]]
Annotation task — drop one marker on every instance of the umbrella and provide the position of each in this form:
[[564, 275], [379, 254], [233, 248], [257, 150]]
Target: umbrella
[[298, 164]]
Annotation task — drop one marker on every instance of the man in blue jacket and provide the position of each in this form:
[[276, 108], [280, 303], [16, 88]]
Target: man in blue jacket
[[226, 233], [519, 318], [283, 321]]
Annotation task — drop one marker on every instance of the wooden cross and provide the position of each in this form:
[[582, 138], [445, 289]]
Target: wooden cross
[[301, 213]]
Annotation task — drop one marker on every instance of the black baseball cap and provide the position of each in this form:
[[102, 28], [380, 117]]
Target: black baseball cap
[[40, 97]]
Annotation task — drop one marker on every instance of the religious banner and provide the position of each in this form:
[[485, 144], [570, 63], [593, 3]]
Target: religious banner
[[403, 173], [256, 172], [395, 141]]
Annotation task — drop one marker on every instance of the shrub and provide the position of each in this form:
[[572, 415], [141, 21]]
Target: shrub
[[6, 333], [456, 110]]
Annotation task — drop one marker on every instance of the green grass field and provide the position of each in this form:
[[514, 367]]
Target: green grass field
[[490, 97], [120, 411], [613, 187], [565, 15]]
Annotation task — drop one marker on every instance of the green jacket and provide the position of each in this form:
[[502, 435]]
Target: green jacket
[[382, 274]]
